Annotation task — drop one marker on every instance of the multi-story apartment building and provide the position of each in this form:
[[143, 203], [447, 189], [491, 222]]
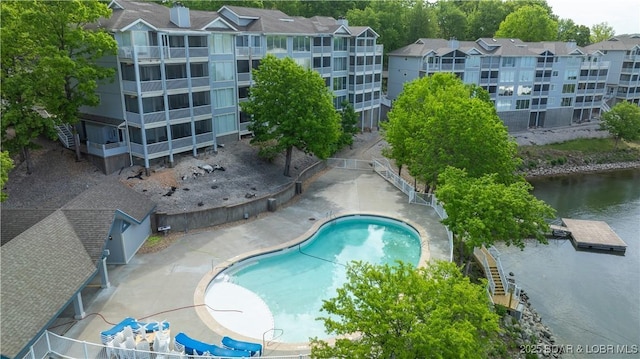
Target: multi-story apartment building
[[623, 54], [541, 84], [182, 75]]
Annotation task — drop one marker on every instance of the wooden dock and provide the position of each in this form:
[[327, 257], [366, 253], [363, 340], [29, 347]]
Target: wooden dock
[[594, 235]]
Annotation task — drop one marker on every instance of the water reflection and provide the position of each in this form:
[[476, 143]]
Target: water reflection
[[586, 298]]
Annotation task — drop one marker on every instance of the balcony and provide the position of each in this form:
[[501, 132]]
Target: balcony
[[107, 150], [248, 51], [155, 52], [205, 139], [176, 114], [154, 117], [322, 49], [202, 110], [587, 65], [174, 84], [199, 81], [635, 58]]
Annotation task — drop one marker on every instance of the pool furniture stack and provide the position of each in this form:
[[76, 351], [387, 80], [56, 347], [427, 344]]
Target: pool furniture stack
[[192, 346], [131, 338]]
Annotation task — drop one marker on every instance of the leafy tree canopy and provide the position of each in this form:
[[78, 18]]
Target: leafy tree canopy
[[601, 32], [6, 164], [623, 121], [438, 121], [485, 19], [451, 20], [404, 312], [529, 23], [291, 107], [482, 211], [349, 124], [50, 59], [568, 31]]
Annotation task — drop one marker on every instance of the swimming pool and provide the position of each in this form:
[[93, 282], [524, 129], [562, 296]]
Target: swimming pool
[[284, 289]]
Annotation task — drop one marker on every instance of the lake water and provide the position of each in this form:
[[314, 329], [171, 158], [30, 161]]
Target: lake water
[[588, 299]]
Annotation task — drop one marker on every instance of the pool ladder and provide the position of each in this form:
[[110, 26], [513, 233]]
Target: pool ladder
[[274, 337]]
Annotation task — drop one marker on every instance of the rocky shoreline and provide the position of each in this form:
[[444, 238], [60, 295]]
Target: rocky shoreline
[[534, 336], [573, 169]]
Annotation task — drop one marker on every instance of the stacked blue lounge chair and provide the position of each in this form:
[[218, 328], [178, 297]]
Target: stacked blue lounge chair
[[195, 347], [253, 348]]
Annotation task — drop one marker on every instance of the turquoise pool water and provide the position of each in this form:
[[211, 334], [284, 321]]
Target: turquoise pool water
[[294, 282]]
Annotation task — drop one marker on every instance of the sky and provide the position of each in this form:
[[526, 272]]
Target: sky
[[622, 15]]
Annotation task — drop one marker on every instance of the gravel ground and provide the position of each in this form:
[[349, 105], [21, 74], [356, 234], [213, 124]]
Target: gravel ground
[[544, 136], [58, 177], [240, 176]]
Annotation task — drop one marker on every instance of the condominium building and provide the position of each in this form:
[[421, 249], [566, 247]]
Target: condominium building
[[540, 84], [623, 54], [182, 74]]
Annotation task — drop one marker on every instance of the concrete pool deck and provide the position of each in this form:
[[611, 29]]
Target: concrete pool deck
[[163, 285]]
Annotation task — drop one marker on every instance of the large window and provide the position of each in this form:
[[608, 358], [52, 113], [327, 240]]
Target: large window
[[157, 134], [222, 44], [304, 62], [224, 97], [522, 104], [301, 44], [566, 101], [505, 90], [176, 41], [473, 61], [178, 101], [225, 123], [340, 64], [507, 76], [503, 105], [135, 135], [524, 90], [568, 88], [339, 83], [153, 104], [176, 71], [527, 62], [571, 74], [224, 71], [201, 98], [199, 69], [128, 72], [508, 62], [181, 130], [276, 43], [203, 126], [526, 75], [131, 104], [198, 41], [340, 43]]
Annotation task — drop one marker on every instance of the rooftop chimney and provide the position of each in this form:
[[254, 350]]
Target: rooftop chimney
[[571, 44], [179, 15], [343, 21], [453, 43]]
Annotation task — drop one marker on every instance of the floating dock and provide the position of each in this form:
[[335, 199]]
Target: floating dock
[[593, 235]]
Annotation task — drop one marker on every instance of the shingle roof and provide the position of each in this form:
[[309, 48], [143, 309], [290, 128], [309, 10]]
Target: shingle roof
[[42, 268], [619, 42], [496, 47], [16, 221]]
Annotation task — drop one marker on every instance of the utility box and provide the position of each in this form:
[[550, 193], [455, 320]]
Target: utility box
[[271, 204]]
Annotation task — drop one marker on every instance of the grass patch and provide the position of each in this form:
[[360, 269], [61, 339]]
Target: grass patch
[[590, 145], [153, 240]]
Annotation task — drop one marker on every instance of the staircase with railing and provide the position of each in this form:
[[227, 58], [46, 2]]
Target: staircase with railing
[[65, 134]]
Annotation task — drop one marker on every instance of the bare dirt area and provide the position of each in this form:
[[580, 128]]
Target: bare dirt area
[[234, 174]]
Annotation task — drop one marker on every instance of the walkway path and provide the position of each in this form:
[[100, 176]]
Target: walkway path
[[161, 286]]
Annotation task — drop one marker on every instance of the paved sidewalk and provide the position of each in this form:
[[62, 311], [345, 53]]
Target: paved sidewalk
[[162, 285]]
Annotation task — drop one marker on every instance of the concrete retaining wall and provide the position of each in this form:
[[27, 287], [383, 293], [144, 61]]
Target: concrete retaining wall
[[184, 221]]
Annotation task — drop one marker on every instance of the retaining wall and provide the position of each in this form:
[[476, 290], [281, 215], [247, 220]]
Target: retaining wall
[[184, 221]]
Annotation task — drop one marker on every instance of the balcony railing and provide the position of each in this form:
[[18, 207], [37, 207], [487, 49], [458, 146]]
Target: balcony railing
[[179, 113], [176, 84], [154, 52], [632, 58], [108, 149], [199, 81], [154, 117], [204, 139], [133, 117], [587, 65], [198, 52], [202, 110], [322, 49]]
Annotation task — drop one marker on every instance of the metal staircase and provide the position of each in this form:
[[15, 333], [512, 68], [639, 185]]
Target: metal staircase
[[65, 134]]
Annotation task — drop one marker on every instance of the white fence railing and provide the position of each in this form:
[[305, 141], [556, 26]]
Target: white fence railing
[[52, 345], [382, 167]]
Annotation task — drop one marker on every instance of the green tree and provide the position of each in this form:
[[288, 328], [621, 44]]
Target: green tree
[[56, 66], [568, 30], [485, 20], [623, 122], [6, 164], [291, 107], [601, 32], [452, 22], [403, 312], [438, 121], [387, 18], [529, 23], [349, 124], [482, 211], [422, 22]]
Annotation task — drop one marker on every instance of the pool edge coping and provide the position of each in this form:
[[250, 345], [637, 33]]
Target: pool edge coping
[[203, 284]]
